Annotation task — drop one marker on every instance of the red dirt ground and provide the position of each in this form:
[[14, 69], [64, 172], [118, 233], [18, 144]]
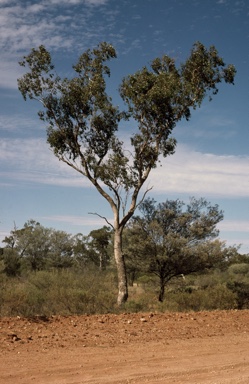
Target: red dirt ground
[[196, 348]]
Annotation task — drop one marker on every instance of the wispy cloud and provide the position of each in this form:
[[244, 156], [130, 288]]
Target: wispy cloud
[[234, 226], [86, 221], [26, 25], [96, 2], [18, 123], [31, 161], [188, 171], [57, 24], [3, 234], [235, 232], [192, 172]]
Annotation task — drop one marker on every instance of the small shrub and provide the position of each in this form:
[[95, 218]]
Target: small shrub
[[239, 269], [13, 299], [12, 262], [241, 290], [133, 306], [217, 297]]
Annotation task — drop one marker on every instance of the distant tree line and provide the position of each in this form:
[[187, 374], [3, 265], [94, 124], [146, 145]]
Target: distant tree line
[[35, 248]]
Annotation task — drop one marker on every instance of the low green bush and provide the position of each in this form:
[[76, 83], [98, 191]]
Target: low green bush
[[239, 269], [241, 290], [211, 298]]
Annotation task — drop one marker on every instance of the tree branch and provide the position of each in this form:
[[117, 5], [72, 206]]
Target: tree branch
[[102, 217]]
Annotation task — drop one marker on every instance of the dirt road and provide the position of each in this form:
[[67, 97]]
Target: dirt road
[[196, 348]]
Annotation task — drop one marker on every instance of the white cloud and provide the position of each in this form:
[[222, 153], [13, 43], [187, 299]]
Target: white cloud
[[31, 161], [52, 23], [192, 172], [16, 122], [35, 8], [3, 234], [96, 2], [234, 226], [187, 171], [82, 221], [57, 24], [46, 22], [75, 2], [10, 71]]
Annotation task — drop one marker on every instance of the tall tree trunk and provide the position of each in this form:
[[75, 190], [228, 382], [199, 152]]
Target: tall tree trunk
[[120, 263], [101, 264], [162, 290]]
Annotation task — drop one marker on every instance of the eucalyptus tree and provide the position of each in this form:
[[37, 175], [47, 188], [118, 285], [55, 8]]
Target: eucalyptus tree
[[83, 122]]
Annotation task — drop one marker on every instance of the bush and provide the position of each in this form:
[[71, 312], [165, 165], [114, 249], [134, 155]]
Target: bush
[[239, 269], [241, 289], [211, 298], [12, 262]]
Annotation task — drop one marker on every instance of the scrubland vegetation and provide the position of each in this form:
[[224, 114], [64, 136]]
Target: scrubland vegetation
[[174, 262], [89, 290]]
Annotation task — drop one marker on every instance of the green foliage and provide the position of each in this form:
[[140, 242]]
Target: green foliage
[[98, 247], [12, 262], [241, 289], [160, 96], [239, 269], [81, 118], [237, 280], [134, 306]]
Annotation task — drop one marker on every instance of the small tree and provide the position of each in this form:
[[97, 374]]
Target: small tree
[[98, 246], [171, 240], [80, 251], [61, 246], [83, 122], [31, 244]]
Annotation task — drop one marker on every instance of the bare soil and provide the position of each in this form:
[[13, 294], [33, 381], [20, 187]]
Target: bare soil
[[196, 348]]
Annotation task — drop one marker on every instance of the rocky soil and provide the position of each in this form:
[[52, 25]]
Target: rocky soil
[[203, 347]]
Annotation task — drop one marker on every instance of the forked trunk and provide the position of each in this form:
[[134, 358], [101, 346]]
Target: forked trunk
[[120, 263]]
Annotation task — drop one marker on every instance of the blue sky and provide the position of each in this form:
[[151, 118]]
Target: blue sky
[[212, 156]]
